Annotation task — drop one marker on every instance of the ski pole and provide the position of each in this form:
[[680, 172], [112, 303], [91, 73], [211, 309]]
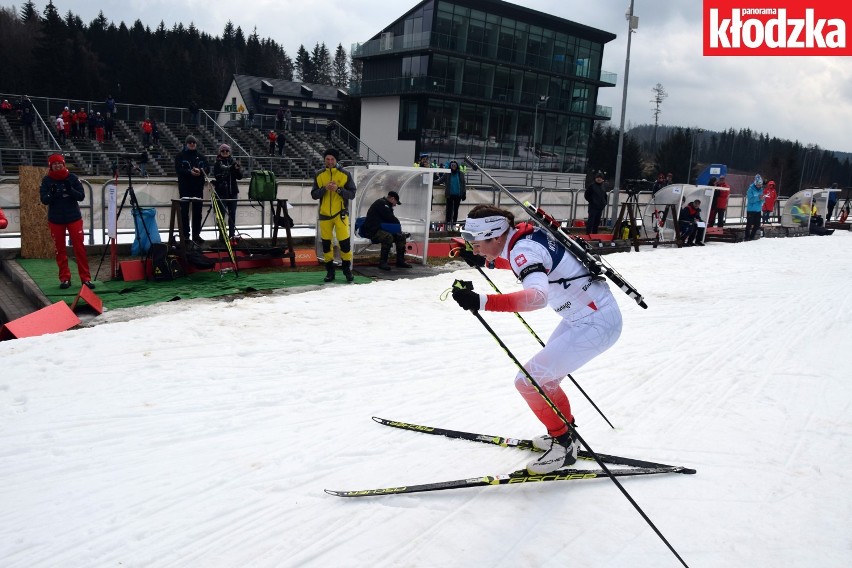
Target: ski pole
[[540, 342], [216, 206], [469, 286]]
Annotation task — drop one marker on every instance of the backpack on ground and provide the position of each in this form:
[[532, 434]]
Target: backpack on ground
[[166, 266], [262, 186]]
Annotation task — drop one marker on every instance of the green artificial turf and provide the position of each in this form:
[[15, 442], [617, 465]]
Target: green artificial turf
[[119, 294]]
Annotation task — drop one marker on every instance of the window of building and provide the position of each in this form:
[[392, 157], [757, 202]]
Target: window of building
[[580, 99], [521, 32], [416, 66], [477, 37], [408, 117], [506, 42], [444, 28], [501, 92], [473, 81]]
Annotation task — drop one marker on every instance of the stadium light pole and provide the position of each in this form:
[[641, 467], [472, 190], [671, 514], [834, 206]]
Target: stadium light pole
[[632, 24], [804, 161], [691, 150]]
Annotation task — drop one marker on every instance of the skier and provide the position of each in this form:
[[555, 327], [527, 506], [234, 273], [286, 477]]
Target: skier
[[550, 275]]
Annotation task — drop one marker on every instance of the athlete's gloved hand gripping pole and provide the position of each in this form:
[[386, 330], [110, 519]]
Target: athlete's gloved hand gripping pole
[[476, 261]]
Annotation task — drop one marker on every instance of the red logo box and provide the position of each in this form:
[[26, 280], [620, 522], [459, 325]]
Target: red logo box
[[786, 27]]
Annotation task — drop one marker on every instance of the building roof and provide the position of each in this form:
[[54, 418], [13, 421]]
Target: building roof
[[251, 86]]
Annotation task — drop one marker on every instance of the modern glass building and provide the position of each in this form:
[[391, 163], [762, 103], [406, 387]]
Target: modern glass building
[[513, 87]]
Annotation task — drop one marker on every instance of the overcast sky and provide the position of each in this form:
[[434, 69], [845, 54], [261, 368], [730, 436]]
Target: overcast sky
[[798, 98]]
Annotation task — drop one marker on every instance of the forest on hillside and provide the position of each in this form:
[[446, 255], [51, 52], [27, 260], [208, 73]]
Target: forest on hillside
[[61, 56], [687, 151]]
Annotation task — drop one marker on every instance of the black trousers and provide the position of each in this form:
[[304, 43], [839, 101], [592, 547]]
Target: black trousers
[[752, 224], [197, 206], [452, 215], [594, 221]]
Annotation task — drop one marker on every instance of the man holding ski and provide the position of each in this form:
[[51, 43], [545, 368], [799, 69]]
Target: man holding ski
[[551, 276]]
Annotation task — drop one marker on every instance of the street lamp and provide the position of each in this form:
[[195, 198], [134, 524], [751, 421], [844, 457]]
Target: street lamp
[[691, 148], [541, 100], [632, 24]]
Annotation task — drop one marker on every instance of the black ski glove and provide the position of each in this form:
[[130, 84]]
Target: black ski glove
[[472, 260], [464, 295]]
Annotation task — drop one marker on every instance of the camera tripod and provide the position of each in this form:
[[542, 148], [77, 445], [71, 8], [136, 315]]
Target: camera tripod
[[630, 209], [136, 210]]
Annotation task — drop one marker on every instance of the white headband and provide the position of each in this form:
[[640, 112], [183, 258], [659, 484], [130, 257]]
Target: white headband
[[484, 228]]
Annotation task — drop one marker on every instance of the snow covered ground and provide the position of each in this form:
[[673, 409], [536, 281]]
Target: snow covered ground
[[203, 433]]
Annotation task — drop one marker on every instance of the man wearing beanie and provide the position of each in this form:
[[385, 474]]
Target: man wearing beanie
[[333, 188], [226, 172], [61, 191], [191, 166]]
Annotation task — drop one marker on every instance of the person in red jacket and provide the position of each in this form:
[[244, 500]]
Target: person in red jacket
[[4, 222], [147, 129], [720, 203], [769, 198], [272, 137], [66, 122], [82, 122]]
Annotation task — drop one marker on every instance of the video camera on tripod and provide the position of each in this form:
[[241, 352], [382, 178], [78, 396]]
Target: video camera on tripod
[[130, 162], [632, 187]]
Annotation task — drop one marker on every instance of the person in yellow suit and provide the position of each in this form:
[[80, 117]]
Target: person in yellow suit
[[333, 188]]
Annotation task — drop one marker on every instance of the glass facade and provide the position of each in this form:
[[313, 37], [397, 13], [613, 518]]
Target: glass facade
[[512, 87]]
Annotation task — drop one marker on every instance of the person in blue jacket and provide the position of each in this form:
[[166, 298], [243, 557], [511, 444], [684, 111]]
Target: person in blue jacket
[[455, 192], [754, 205]]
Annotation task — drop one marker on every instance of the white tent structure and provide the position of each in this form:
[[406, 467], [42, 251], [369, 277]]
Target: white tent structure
[[704, 193], [656, 219], [800, 201], [821, 198]]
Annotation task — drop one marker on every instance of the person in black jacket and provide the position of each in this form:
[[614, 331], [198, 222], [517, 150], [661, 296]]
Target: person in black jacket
[[382, 226], [61, 191], [226, 172], [596, 197], [190, 167]]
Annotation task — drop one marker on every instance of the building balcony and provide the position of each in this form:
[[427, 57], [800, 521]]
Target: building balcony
[[558, 64], [608, 78], [603, 112], [389, 44]]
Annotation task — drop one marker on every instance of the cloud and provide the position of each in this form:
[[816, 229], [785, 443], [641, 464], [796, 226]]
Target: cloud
[[800, 98]]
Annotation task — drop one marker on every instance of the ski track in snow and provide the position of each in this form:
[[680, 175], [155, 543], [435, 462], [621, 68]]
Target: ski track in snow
[[203, 433]]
